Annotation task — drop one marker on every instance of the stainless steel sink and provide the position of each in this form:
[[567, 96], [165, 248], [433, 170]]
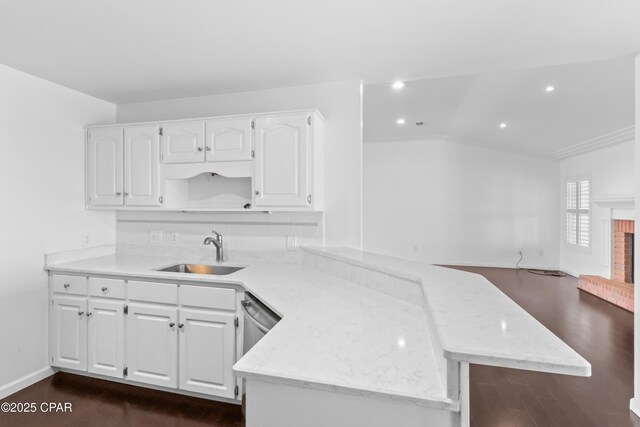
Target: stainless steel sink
[[216, 270]]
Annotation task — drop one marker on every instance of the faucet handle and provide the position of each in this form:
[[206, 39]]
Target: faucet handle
[[218, 235]]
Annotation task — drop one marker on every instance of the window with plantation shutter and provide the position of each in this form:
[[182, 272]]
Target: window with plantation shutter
[[577, 212]]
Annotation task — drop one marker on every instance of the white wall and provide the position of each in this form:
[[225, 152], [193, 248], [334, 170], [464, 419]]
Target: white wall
[[612, 171], [339, 102], [444, 202], [42, 186]]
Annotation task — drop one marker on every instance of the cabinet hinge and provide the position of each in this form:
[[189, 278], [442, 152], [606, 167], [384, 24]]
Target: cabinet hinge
[[253, 124], [125, 371], [309, 198], [309, 120], [160, 131], [126, 309], [160, 199], [253, 154], [236, 322], [236, 391]]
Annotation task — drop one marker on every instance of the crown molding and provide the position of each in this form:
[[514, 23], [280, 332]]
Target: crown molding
[[607, 140]]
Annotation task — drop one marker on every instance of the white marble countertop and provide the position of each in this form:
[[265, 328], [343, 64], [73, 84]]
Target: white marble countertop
[[475, 321], [335, 335]]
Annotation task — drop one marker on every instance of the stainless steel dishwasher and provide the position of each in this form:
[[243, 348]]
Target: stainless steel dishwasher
[[258, 320]]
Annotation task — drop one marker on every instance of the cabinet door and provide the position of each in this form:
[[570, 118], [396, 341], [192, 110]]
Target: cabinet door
[[228, 140], [207, 352], [104, 167], [281, 146], [142, 166], [69, 332], [152, 345], [183, 142], [106, 337]]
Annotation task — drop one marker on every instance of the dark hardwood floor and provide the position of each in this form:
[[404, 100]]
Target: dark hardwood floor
[[104, 403], [599, 331]]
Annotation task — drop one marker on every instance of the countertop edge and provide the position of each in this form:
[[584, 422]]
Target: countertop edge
[[434, 402]]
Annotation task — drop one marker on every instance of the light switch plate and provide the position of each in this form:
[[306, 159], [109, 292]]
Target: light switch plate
[[174, 237], [155, 236]]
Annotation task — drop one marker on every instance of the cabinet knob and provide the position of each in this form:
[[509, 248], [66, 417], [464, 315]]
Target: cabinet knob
[[80, 313], [171, 325], [199, 148], [208, 148], [66, 285], [257, 192], [181, 325], [126, 194], [104, 289], [118, 193], [89, 314]]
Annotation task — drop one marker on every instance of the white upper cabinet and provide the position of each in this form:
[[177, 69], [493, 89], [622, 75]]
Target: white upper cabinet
[[281, 160], [228, 140], [183, 142], [264, 162], [104, 167], [142, 166]]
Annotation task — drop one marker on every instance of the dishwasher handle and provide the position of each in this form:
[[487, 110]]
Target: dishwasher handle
[[245, 303]]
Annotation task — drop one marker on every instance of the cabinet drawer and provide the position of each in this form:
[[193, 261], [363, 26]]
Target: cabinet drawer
[[201, 296], [166, 293], [111, 288], [69, 284]]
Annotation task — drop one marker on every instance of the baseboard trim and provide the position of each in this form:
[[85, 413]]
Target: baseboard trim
[[26, 381], [497, 265], [634, 405]]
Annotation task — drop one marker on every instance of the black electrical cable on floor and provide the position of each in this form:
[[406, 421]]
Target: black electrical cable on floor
[[540, 272]]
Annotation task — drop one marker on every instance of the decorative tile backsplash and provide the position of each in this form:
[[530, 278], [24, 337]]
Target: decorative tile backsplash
[[241, 230]]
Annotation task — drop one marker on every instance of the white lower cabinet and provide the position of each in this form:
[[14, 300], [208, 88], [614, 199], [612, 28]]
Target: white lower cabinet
[[145, 335], [106, 337], [69, 332], [152, 345], [207, 352]]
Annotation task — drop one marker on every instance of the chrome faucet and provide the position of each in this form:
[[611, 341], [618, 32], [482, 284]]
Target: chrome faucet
[[217, 241]]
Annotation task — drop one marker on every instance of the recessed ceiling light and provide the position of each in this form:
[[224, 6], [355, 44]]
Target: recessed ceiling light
[[401, 121], [549, 89], [503, 125], [398, 85]]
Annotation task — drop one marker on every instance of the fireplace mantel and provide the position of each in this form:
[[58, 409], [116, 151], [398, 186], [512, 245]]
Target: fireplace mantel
[[619, 201]]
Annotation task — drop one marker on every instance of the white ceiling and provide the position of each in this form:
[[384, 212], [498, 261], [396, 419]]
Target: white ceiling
[[127, 51], [590, 100]]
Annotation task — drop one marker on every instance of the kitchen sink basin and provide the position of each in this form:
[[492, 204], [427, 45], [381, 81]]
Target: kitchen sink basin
[[216, 270]]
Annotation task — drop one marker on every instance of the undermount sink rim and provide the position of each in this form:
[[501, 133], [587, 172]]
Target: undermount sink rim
[[208, 270]]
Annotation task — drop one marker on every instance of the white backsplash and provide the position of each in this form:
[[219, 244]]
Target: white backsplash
[[242, 231]]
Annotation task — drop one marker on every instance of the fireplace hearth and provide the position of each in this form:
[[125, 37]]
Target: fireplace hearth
[[619, 288]]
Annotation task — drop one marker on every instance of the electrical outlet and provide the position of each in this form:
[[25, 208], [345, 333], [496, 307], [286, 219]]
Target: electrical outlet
[[292, 242], [86, 239], [174, 237], [541, 252], [155, 236]]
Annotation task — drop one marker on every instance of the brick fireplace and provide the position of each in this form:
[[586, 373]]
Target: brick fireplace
[[619, 289], [623, 233]]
